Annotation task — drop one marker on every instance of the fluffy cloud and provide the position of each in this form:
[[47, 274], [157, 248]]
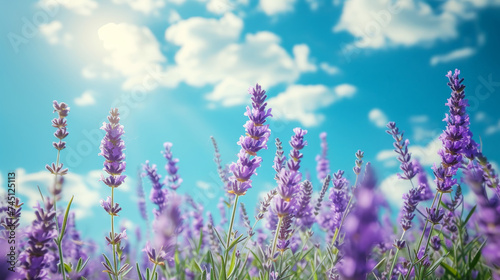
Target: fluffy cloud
[[83, 187], [329, 69], [377, 117], [131, 51], [52, 31], [393, 189], [144, 6], [87, 98], [300, 102], [81, 7], [492, 129], [382, 23], [224, 6], [211, 54], [273, 7], [419, 119], [452, 56]]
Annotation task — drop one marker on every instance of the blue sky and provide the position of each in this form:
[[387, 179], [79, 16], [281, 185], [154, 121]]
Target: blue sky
[[179, 71]]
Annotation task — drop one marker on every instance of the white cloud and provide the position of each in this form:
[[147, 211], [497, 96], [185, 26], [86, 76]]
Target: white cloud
[[52, 31], [427, 155], [81, 7], [419, 119], [144, 6], [87, 98], [132, 51], [210, 54], [385, 23], [377, 117], [313, 4], [492, 129], [422, 134], [174, 17], [345, 90], [452, 56], [82, 187], [480, 116], [273, 7], [329, 69], [393, 189], [300, 102], [301, 53]]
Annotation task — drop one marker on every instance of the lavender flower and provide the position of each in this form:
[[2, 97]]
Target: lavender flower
[[358, 162], [257, 135], [174, 180], [322, 162], [112, 147], [488, 216], [279, 159], [284, 234], [167, 227], [338, 195], [302, 210], [436, 243], [401, 148], [57, 168], [141, 200], [362, 231], [158, 195], [35, 258], [411, 200], [324, 188], [456, 139]]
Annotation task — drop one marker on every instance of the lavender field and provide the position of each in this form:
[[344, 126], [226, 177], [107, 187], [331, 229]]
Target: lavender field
[[249, 139], [294, 233]]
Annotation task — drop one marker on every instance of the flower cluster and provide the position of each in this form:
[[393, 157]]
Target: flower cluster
[[112, 147], [173, 180], [322, 162], [35, 259], [362, 230], [57, 168], [401, 148], [457, 138], [257, 135]]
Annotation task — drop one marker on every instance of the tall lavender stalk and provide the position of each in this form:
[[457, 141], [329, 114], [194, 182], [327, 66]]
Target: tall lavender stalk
[[457, 143], [362, 230], [112, 147], [288, 189], [414, 195], [322, 162], [35, 258], [255, 139], [173, 180], [57, 169]]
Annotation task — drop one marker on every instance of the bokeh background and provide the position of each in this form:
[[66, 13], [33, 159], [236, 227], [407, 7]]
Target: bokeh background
[[179, 70]]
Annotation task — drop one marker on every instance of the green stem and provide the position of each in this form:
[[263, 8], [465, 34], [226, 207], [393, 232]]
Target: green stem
[[395, 257], [438, 194], [231, 227], [154, 270], [59, 246], [275, 240], [113, 245], [61, 234]]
